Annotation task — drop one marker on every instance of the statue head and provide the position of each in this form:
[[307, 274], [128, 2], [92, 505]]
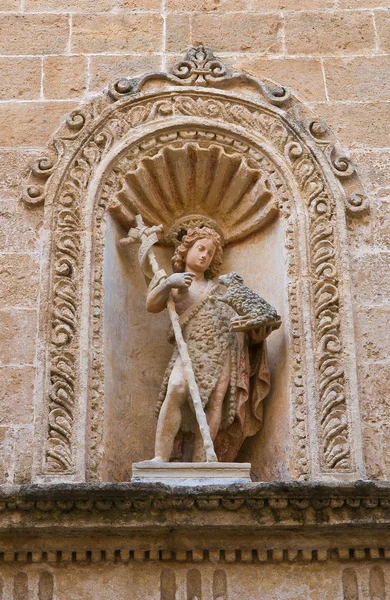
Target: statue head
[[190, 238]]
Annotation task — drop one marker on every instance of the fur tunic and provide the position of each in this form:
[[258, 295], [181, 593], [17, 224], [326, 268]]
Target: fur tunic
[[213, 350]]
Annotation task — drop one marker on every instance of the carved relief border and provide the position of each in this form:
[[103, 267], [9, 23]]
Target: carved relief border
[[87, 138], [111, 185]]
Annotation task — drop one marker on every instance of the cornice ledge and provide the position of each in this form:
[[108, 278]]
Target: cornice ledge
[[136, 506]]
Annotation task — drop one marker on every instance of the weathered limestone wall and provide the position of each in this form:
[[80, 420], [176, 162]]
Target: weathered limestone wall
[[55, 53]]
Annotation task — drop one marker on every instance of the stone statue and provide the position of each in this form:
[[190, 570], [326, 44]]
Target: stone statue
[[228, 353]]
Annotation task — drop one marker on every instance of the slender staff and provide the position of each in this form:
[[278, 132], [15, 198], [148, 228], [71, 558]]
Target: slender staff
[[150, 267]]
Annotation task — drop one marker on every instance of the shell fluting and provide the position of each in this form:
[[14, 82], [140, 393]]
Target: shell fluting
[[197, 180]]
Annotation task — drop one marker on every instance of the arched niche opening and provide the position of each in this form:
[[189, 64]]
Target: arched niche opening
[[284, 204], [215, 175]]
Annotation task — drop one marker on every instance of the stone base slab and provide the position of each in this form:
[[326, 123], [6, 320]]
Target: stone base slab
[[191, 473]]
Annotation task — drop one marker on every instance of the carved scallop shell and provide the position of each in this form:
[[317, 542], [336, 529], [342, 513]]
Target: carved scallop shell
[[202, 181]]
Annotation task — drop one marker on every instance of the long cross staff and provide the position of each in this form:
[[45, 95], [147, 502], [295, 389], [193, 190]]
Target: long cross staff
[[150, 267]]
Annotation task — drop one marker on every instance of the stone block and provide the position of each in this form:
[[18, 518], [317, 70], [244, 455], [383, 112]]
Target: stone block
[[6, 454], [374, 168], [33, 34], [370, 278], [108, 69], [24, 445], [359, 125], [377, 448], [178, 32], [382, 21], [31, 124], [16, 395], [19, 280], [374, 381], [381, 227], [360, 234], [291, 4], [329, 33], [207, 5], [363, 3], [238, 32], [13, 169], [140, 5], [18, 336], [117, 33], [10, 5], [64, 77], [20, 78], [69, 5], [359, 78], [372, 336], [304, 76], [19, 227], [373, 451]]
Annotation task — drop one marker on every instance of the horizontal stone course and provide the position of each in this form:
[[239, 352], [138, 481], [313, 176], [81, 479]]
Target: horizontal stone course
[[117, 33], [220, 6], [291, 4], [33, 33], [362, 4], [250, 507], [139, 5], [207, 5], [69, 5]]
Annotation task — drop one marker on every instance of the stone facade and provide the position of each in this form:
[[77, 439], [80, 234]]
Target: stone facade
[[56, 56]]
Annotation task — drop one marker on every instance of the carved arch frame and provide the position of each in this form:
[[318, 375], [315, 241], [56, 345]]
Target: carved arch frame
[[80, 188]]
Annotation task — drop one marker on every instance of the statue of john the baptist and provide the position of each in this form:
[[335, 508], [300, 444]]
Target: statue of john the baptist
[[230, 367]]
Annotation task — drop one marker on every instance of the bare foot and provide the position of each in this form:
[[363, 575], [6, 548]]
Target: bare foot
[[157, 459]]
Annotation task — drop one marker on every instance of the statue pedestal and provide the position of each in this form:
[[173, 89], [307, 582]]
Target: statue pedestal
[[191, 473]]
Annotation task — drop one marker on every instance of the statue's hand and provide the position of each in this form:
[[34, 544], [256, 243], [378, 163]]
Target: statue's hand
[[261, 333], [180, 281]]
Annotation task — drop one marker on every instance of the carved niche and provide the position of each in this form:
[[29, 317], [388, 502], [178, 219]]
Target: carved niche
[[150, 145]]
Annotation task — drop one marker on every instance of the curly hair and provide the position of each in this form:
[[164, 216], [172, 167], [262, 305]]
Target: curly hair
[[192, 236]]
